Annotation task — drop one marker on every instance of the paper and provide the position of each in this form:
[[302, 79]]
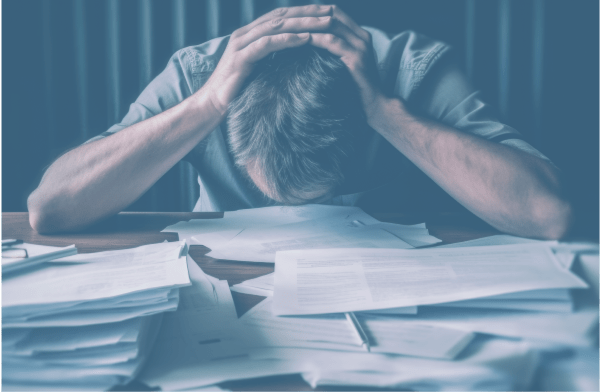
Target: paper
[[260, 245], [415, 235], [64, 339], [577, 328], [345, 280], [203, 230], [98, 280], [333, 332], [264, 286], [487, 364]]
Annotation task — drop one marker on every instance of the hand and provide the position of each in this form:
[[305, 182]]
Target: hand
[[279, 29], [355, 48]]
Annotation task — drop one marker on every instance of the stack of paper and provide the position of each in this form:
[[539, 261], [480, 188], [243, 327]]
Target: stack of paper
[[240, 235], [488, 283], [88, 322]]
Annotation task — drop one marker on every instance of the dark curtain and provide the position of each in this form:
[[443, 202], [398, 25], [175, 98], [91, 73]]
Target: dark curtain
[[72, 67]]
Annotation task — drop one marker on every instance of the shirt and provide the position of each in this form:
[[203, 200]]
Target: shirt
[[421, 71]]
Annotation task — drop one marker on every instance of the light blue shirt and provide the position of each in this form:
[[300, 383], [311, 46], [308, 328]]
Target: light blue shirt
[[421, 71]]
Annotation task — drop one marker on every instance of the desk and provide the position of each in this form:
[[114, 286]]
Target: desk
[[133, 229]]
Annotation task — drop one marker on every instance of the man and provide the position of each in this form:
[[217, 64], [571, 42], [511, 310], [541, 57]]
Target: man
[[259, 123]]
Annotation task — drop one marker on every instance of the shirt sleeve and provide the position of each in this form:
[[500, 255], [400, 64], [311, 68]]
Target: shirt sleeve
[[446, 95], [168, 89]]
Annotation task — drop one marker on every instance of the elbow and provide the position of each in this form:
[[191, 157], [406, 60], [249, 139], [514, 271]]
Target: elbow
[[40, 216], [554, 218]]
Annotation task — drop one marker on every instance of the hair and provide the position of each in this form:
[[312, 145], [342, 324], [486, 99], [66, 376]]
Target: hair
[[296, 122]]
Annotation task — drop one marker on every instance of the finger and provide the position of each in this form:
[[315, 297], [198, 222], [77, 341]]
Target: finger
[[332, 43], [283, 25], [345, 19], [343, 31], [272, 43], [291, 12]]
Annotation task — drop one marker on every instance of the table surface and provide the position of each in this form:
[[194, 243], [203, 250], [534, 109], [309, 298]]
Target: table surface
[[132, 229]]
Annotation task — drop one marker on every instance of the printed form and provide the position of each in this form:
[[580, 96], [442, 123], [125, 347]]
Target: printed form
[[346, 280]]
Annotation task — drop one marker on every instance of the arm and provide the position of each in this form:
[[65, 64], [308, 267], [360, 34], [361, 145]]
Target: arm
[[101, 178], [508, 188], [513, 191]]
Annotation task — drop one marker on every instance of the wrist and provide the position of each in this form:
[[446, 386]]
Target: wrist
[[201, 106], [387, 114]]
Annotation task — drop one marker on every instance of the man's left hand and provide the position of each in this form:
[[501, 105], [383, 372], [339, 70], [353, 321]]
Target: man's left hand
[[354, 46]]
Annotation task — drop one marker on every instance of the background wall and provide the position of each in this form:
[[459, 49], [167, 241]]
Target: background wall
[[71, 68]]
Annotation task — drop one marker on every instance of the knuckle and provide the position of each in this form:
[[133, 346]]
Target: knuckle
[[276, 22], [332, 39], [279, 11]]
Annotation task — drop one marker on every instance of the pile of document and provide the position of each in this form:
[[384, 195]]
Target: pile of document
[[88, 322], [255, 235], [497, 313]]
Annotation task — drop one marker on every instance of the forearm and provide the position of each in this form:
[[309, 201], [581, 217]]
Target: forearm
[[510, 189], [101, 178]]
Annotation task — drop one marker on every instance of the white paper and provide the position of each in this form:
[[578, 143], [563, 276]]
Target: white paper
[[575, 328], [415, 235], [93, 281], [491, 364], [345, 280], [203, 230], [333, 332], [64, 339], [260, 245]]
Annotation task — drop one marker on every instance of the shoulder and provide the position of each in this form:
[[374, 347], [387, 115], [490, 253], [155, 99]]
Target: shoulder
[[199, 61], [405, 59]]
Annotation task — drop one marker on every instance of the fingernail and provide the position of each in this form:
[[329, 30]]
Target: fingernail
[[303, 35], [325, 18]]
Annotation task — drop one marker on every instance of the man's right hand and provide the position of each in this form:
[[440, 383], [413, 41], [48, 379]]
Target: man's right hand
[[279, 29]]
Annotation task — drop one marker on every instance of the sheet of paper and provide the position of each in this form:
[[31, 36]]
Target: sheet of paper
[[138, 299], [264, 286], [415, 235], [260, 245], [233, 221], [345, 280], [71, 338], [93, 281], [97, 316], [577, 328], [333, 332], [494, 364], [517, 304]]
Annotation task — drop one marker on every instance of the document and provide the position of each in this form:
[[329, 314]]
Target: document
[[346, 280], [577, 328], [264, 286], [73, 338], [260, 245], [202, 230], [415, 235], [488, 364], [99, 280], [332, 332]]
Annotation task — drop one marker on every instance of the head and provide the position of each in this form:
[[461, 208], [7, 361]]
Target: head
[[295, 125]]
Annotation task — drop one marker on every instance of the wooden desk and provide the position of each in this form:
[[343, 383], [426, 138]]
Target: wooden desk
[[132, 229]]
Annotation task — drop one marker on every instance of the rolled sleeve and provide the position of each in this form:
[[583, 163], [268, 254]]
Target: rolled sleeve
[[168, 89], [446, 95]]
